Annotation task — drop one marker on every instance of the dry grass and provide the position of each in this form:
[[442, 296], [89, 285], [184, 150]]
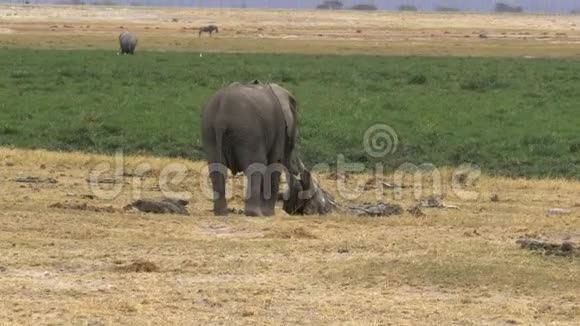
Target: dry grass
[[64, 266], [292, 31]]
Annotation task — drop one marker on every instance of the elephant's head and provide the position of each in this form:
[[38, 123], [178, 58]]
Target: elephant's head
[[305, 197]]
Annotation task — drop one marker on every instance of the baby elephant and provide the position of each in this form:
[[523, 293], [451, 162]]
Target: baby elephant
[[127, 42]]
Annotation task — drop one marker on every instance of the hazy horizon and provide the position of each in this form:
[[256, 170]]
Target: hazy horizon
[[556, 6]]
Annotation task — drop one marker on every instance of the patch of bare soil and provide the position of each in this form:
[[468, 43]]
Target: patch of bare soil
[[291, 233], [84, 207], [434, 202], [138, 266]]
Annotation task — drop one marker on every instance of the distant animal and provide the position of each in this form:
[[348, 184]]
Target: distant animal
[[208, 29], [127, 42]]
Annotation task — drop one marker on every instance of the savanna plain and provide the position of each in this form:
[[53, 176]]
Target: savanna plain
[[504, 103]]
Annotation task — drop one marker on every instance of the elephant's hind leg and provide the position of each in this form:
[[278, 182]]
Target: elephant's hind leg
[[271, 187], [253, 202], [255, 172], [218, 174]]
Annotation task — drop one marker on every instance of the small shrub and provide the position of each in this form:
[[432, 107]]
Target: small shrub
[[407, 8], [112, 130], [532, 140], [482, 84], [19, 74], [544, 145], [466, 153], [447, 9], [78, 138], [417, 80], [7, 130], [368, 7], [105, 3], [331, 4], [71, 2], [504, 7], [65, 73]]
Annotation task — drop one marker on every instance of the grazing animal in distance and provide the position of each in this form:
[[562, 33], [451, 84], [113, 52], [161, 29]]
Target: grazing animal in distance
[[128, 42], [208, 29]]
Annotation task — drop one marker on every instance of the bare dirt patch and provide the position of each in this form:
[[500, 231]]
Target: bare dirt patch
[[83, 207], [6, 31], [290, 233], [138, 266]]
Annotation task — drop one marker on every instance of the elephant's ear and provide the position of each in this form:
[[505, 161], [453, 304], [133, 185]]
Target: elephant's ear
[[289, 108]]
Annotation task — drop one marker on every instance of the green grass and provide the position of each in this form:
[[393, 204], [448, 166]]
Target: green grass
[[513, 117]]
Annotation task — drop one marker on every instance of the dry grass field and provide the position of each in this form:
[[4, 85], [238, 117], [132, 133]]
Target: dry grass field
[[71, 258], [302, 31]]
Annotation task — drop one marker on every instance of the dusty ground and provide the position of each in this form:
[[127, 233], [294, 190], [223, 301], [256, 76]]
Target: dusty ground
[[293, 31], [88, 261]]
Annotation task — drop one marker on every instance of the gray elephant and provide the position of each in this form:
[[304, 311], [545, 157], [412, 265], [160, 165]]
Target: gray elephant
[[252, 128], [128, 42], [249, 128]]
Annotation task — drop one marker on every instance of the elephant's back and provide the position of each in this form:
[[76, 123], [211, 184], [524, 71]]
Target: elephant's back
[[238, 106], [239, 97], [127, 37]]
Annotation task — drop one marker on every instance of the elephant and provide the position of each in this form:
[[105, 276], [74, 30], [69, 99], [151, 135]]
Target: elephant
[[249, 128], [128, 42], [306, 197], [252, 128], [208, 29]]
